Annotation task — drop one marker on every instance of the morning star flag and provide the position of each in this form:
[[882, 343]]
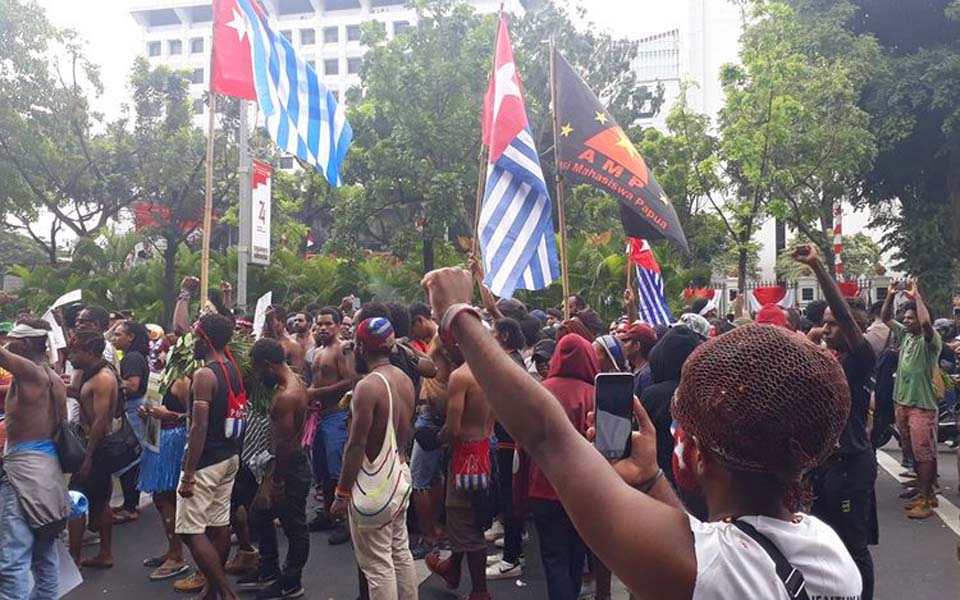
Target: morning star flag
[[651, 302], [301, 115], [594, 150], [516, 222]]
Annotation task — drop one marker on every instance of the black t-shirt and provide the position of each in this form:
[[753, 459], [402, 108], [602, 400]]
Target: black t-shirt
[[135, 364], [859, 365]]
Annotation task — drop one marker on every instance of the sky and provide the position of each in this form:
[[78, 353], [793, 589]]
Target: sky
[[113, 39]]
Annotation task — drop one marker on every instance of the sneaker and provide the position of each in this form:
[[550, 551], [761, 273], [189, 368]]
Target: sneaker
[[495, 558], [420, 549], [495, 532], [909, 474], [189, 585], [909, 493], [341, 535], [526, 538], [505, 570], [920, 510], [277, 591], [244, 562], [322, 522], [256, 582]]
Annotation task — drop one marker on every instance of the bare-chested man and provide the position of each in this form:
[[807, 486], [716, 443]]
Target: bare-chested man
[[111, 443], [469, 425], [332, 376], [383, 553], [275, 328], [289, 481], [35, 403], [300, 324]]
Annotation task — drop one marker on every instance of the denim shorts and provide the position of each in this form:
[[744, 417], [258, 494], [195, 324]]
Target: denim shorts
[[425, 465], [328, 445]]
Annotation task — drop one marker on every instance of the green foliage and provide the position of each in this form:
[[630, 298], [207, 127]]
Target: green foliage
[[861, 258]]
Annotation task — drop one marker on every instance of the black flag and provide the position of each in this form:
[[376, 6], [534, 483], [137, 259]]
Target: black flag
[[594, 150]]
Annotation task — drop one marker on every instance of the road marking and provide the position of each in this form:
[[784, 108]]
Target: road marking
[[947, 510]]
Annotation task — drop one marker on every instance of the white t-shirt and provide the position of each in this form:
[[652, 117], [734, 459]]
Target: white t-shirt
[[731, 566]]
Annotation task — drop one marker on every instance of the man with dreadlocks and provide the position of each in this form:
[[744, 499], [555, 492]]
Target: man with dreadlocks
[[759, 406], [844, 491]]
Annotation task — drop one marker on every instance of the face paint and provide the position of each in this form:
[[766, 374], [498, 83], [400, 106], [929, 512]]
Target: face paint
[[685, 456]]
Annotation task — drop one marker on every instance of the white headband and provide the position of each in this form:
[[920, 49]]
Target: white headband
[[707, 307], [21, 331]]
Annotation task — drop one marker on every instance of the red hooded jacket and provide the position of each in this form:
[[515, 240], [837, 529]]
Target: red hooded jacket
[[572, 370]]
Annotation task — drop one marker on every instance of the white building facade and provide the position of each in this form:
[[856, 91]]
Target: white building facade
[[325, 33]]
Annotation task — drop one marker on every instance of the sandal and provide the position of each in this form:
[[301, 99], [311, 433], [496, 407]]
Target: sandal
[[169, 569], [125, 517], [155, 561]]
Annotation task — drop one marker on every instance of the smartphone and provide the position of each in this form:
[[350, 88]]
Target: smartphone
[[356, 303], [613, 411]]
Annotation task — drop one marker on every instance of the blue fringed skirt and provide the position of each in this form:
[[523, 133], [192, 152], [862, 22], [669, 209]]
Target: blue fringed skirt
[[160, 471]]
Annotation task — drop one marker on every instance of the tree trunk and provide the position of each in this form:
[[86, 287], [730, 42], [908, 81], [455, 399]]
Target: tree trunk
[[428, 258], [170, 279], [743, 258]]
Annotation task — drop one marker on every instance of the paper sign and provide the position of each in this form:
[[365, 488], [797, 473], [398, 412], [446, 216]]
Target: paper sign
[[55, 339], [151, 425], [69, 576], [260, 315], [68, 298]]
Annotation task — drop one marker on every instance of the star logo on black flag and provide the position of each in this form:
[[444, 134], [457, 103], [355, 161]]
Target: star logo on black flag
[[601, 118], [566, 130]]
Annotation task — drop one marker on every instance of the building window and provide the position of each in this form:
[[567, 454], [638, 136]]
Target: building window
[[286, 162], [198, 106], [196, 46], [354, 64], [197, 76], [308, 37], [400, 26], [731, 295], [806, 295], [353, 33], [153, 49], [331, 35], [287, 34], [174, 47], [331, 67]]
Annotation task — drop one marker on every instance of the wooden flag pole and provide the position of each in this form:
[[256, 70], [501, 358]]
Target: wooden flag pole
[[481, 180], [484, 157], [208, 204], [564, 270]]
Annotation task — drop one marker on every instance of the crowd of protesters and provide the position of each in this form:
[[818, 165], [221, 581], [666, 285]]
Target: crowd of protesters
[[438, 430]]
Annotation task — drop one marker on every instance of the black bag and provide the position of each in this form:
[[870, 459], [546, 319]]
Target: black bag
[[70, 450]]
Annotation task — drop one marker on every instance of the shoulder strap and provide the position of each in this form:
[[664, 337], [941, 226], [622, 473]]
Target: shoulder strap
[[389, 396], [792, 578]]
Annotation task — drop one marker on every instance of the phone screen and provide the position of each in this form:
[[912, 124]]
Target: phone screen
[[613, 414]]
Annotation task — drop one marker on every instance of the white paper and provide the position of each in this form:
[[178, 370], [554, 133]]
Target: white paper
[[151, 425], [68, 298], [260, 315], [55, 339]]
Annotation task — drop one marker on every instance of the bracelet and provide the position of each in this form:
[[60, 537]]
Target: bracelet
[[342, 493], [450, 317], [647, 485], [185, 295]]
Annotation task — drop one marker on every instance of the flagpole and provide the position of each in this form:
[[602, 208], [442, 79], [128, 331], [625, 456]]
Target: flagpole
[[208, 204], [564, 271], [245, 209], [484, 156]]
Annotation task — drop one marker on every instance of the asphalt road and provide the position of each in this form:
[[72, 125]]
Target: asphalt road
[[914, 559]]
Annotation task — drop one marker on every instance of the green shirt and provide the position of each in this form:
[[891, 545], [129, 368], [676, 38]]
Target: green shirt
[[913, 386]]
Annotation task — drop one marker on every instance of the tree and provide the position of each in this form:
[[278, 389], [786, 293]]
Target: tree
[[862, 258], [56, 155], [169, 163]]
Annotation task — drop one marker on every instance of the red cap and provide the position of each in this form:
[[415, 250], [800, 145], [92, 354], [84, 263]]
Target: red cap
[[771, 314], [642, 333]]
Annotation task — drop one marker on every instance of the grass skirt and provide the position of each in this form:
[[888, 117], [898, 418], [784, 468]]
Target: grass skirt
[[160, 471]]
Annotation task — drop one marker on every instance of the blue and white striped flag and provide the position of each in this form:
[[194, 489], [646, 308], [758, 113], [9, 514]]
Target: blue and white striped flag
[[651, 301], [516, 222], [302, 116]]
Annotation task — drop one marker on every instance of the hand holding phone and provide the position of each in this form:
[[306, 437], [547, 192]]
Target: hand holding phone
[[613, 403]]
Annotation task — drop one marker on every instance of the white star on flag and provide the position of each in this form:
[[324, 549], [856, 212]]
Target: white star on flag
[[506, 85], [238, 24]]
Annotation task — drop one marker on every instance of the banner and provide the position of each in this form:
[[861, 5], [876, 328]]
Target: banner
[[260, 219]]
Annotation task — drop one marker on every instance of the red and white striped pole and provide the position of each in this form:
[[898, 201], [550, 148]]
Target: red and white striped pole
[[838, 241]]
